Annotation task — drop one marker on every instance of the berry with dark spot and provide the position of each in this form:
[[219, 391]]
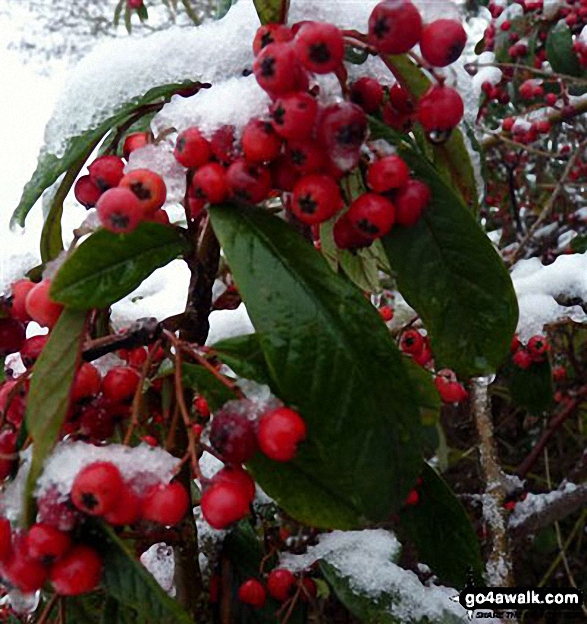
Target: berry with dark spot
[[320, 47], [97, 488], [120, 210], [372, 215], [316, 198], [394, 26]]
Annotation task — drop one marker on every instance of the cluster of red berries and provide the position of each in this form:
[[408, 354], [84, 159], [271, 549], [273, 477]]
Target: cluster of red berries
[[535, 351], [236, 438], [450, 390], [281, 585], [44, 553], [123, 200]]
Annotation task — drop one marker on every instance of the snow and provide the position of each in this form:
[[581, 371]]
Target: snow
[[366, 559], [226, 324], [534, 503], [537, 286], [142, 465], [160, 562]]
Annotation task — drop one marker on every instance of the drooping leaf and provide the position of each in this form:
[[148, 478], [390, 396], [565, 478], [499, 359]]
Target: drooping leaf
[[329, 355], [129, 582], [50, 166], [441, 531], [244, 355], [532, 388], [107, 266], [48, 397], [559, 50], [449, 272], [272, 11]]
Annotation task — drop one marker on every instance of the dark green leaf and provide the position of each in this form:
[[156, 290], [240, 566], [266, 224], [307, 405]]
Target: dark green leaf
[[440, 529], [330, 355], [202, 380], [244, 355], [559, 50], [428, 401], [143, 13], [272, 11], [223, 8], [117, 12], [107, 266], [449, 272], [129, 582], [50, 167], [532, 388], [48, 397], [579, 244]]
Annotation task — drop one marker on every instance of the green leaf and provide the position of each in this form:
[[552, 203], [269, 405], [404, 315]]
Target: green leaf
[[129, 582], [428, 401], [440, 529], [223, 8], [48, 397], [559, 50], [202, 380], [50, 167], [579, 244], [117, 12], [331, 356], [272, 11], [106, 267], [449, 272], [532, 388], [143, 13], [244, 355]]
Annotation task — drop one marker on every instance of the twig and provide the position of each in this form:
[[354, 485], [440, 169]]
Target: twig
[[47, 610], [499, 566]]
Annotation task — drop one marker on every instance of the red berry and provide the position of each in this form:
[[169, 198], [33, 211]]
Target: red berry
[[522, 359], [150, 440], [237, 476], [386, 313], [79, 572], [450, 390], [394, 26], [54, 511], [97, 488], [281, 584], [346, 236], [510, 505], [316, 198], [309, 589], [148, 187], [134, 141], [411, 342], [21, 570], [270, 33], [210, 184], [559, 373], [248, 182], [223, 145], [372, 215], [192, 149], [280, 432], [14, 410], [413, 498], [320, 47], [306, 157], [119, 210], [120, 384], [440, 109], [32, 348], [106, 172], [233, 436], [86, 192], [293, 116], [442, 42], [87, 382], [410, 201], [12, 336], [224, 503], [45, 543], [342, 129], [551, 99], [387, 173], [260, 141], [538, 347], [7, 452], [367, 93], [201, 406], [97, 422], [251, 592], [277, 69], [40, 307], [5, 539], [166, 504], [400, 99], [20, 290]]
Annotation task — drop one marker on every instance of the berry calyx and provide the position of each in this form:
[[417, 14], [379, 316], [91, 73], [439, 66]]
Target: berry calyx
[[411, 342], [166, 504], [148, 187], [251, 592], [233, 436], [41, 307], [442, 42], [538, 347], [280, 432], [320, 47], [410, 201], [394, 27], [192, 149], [440, 109], [281, 584], [96, 488], [78, 572], [271, 33], [372, 215], [316, 198], [119, 210], [87, 192], [106, 172], [46, 543], [387, 174], [224, 503]]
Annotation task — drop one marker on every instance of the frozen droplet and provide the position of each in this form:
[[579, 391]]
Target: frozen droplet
[[23, 604]]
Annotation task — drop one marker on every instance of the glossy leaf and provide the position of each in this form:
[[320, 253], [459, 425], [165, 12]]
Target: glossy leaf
[[50, 167], [223, 8], [48, 397], [272, 11], [106, 267], [532, 388], [440, 529], [129, 582], [449, 272], [329, 355], [559, 50], [243, 354]]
